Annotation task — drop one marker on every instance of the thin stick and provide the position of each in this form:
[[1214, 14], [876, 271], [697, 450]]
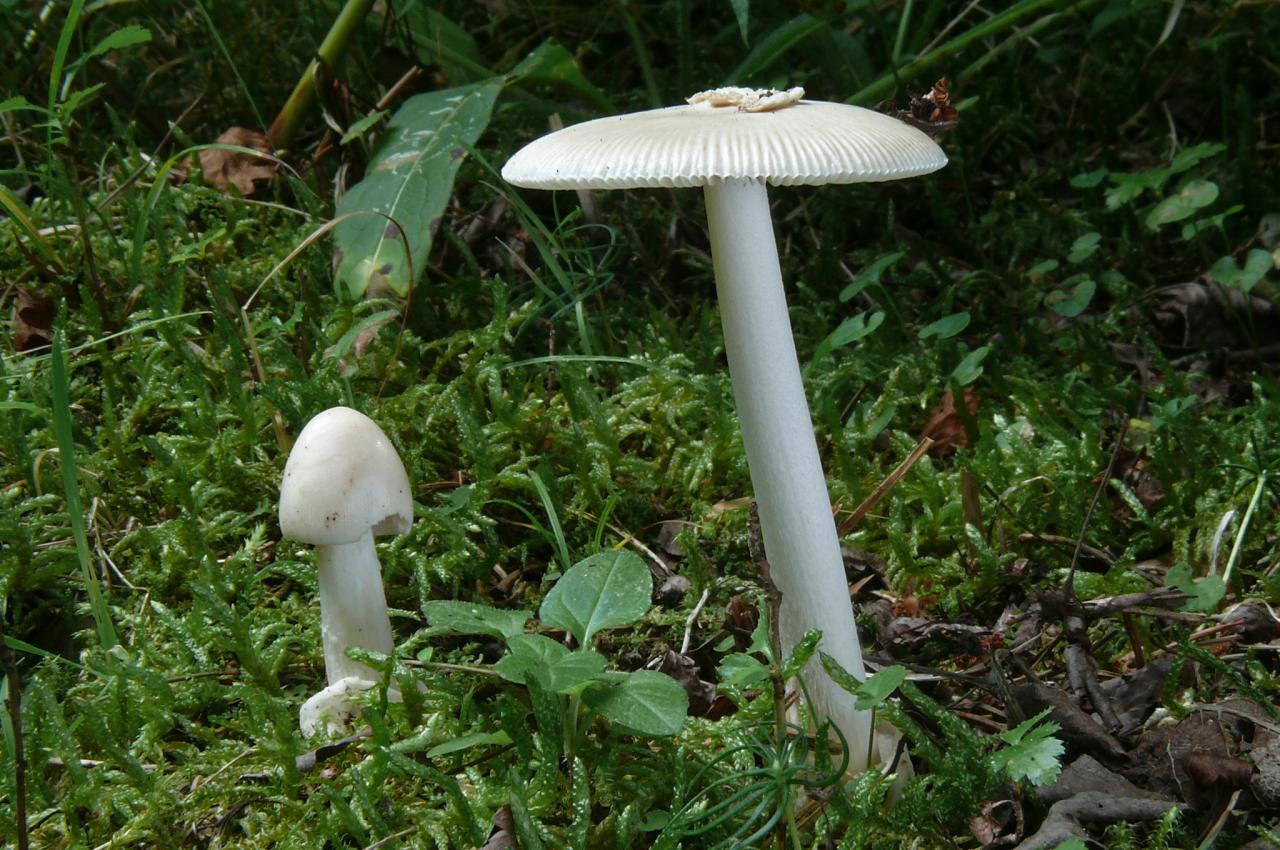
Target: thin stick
[[688, 624], [885, 486]]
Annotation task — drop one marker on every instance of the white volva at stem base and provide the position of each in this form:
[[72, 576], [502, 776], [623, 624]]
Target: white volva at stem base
[[799, 531], [353, 607]]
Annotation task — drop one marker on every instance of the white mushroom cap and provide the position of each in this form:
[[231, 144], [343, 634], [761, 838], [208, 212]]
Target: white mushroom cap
[[795, 142], [342, 480]]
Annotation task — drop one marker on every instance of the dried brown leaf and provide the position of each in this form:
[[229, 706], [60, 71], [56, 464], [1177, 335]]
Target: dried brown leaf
[[223, 168], [32, 320]]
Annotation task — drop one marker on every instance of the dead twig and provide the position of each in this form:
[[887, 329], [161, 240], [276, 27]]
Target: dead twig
[[885, 486]]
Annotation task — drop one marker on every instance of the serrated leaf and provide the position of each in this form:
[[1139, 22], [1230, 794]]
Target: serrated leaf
[[605, 590], [946, 327], [647, 701], [1032, 752], [473, 618], [1228, 273], [409, 181]]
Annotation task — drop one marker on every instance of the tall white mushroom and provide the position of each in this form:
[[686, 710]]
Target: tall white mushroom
[[732, 142], [344, 483]]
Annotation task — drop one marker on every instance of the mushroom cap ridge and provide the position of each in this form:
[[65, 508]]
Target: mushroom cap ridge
[[805, 143], [343, 478]]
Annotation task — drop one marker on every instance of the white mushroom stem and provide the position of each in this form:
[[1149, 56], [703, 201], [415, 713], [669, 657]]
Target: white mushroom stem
[[799, 531], [353, 607]]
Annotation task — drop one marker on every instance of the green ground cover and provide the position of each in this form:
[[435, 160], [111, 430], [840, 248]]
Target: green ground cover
[[1094, 270]]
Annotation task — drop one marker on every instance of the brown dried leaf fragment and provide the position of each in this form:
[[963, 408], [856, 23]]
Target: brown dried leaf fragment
[[32, 324], [224, 168], [946, 426]]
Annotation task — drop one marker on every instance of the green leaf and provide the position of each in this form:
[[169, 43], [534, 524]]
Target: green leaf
[[18, 102], [1256, 266], [1032, 752], [1192, 156], [741, 670], [1042, 268], [742, 11], [1193, 228], [121, 38], [970, 368], [800, 655], [1089, 179], [946, 327], [409, 181], [1194, 195], [850, 330], [774, 46], [553, 664], [466, 742], [1073, 302], [1205, 592], [871, 274], [605, 590], [437, 40], [877, 687], [647, 701], [1072, 844], [551, 64], [362, 126], [1084, 247], [473, 618], [1130, 186]]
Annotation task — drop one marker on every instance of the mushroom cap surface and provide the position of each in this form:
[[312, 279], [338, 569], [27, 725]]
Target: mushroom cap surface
[[342, 480], [802, 143]]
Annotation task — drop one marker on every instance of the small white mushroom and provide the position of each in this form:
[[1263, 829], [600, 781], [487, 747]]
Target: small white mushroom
[[343, 484], [733, 143]]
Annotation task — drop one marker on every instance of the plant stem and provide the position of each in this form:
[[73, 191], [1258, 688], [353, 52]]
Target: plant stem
[[331, 49], [1244, 526]]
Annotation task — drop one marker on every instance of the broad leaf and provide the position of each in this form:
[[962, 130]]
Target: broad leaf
[[877, 687], [605, 590], [649, 702], [1205, 592], [1084, 247], [849, 331], [473, 618], [970, 368], [551, 663], [946, 327], [1194, 195], [1256, 266], [466, 742], [551, 64], [741, 670], [406, 188], [1071, 303], [871, 274]]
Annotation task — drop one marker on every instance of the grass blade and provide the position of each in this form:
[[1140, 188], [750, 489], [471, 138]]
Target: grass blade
[[61, 389]]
